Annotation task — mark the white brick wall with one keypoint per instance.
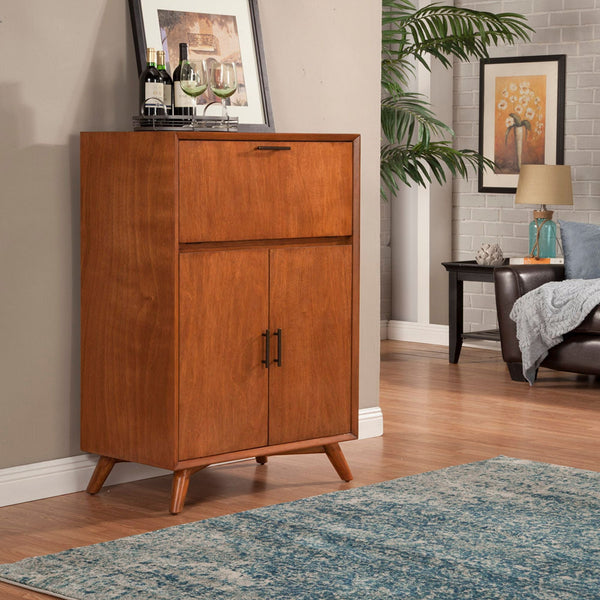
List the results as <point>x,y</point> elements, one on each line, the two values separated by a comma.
<point>570,27</point>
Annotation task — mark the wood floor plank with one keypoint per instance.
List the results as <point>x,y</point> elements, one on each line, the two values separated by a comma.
<point>436,415</point>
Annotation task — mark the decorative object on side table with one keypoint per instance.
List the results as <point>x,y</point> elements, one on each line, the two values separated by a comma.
<point>490,255</point>
<point>206,26</point>
<point>544,184</point>
<point>521,116</point>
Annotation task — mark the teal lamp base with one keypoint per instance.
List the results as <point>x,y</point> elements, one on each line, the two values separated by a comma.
<point>542,235</point>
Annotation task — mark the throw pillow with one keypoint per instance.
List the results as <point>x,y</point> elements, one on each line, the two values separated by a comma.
<point>581,249</point>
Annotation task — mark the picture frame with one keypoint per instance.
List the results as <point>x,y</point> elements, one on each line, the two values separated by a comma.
<point>212,28</point>
<point>521,116</point>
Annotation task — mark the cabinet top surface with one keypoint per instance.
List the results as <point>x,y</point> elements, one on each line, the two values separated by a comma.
<point>234,135</point>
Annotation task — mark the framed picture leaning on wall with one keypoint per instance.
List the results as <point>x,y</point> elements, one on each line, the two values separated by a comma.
<point>224,30</point>
<point>521,116</point>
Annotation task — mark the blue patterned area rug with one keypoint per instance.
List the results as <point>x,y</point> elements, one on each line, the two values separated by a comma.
<point>501,528</point>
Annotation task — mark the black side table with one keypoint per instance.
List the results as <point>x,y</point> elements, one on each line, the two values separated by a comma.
<point>464,270</point>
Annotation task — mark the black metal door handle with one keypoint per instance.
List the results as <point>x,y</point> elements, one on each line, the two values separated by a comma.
<point>278,359</point>
<point>276,148</point>
<point>267,360</point>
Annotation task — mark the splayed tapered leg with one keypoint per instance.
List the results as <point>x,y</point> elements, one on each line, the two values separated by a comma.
<point>181,482</point>
<point>338,460</point>
<point>101,472</point>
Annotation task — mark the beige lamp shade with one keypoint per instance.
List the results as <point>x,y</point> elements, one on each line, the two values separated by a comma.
<point>544,184</point>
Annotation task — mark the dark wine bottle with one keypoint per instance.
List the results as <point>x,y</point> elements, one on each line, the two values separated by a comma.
<point>182,103</point>
<point>167,81</point>
<point>151,87</point>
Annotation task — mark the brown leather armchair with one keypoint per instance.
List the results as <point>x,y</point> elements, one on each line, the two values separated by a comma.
<point>579,352</point>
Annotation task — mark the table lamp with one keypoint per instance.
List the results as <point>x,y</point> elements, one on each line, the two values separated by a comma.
<point>544,184</point>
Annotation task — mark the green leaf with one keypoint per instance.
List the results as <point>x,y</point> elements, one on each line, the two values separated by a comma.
<point>416,148</point>
<point>516,119</point>
<point>422,162</point>
<point>406,116</point>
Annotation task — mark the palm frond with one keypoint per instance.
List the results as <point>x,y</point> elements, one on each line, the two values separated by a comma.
<point>422,163</point>
<point>447,31</point>
<point>413,151</point>
<point>406,117</point>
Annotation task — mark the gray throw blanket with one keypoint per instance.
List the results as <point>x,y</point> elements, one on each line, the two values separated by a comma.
<point>546,313</point>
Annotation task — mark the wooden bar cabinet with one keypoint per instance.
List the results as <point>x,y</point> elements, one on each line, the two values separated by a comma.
<point>219,298</point>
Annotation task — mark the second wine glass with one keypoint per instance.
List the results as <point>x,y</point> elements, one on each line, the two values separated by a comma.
<point>223,82</point>
<point>194,80</point>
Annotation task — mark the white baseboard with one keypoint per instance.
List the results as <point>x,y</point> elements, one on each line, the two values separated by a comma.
<point>67,475</point>
<point>430,333</point>
<point>62,476</point>
<point>425,333</point>
<point>370,422</point>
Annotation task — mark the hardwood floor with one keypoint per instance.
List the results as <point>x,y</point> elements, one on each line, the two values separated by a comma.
<point>435,415</point>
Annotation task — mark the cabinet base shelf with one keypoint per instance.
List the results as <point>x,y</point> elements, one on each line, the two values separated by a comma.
<point>181,476</point>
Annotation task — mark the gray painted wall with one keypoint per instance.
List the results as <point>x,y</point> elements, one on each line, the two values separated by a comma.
<point>70,67</point>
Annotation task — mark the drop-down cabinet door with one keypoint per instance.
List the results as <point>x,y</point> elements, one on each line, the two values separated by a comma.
<point>253,190</point>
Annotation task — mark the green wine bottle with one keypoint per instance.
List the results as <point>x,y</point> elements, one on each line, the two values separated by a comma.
<point>167,81</point>
<point>151,87</point>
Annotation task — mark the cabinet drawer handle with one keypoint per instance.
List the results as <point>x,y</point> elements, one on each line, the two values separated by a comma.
<point>267,360</point>
<point>276,148</point>
<point>278,359</point>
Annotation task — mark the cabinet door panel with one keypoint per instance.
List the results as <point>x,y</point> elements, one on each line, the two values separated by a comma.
<point>302,191</point>
<point>310,299</point>
<point>223,391</point>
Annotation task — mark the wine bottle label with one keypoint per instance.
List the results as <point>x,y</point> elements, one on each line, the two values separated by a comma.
<point>167,93</point>
<point>182,100</point>
<point>153,90</point>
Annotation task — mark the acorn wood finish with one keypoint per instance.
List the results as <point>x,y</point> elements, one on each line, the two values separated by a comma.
<point>219,298</point>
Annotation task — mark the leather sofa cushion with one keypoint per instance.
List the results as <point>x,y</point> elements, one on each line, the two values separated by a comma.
<point>591,324</point>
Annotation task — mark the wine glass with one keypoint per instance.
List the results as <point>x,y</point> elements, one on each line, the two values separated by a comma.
<point>194,80</point>
<point>223,82</point>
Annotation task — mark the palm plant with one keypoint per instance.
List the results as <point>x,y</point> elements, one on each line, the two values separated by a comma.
<point>416,144</point>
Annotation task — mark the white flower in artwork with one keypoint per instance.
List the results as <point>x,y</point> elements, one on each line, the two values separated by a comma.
<point>522,113</point>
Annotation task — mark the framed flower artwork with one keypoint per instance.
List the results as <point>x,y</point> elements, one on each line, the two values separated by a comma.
<point>521,116</point>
